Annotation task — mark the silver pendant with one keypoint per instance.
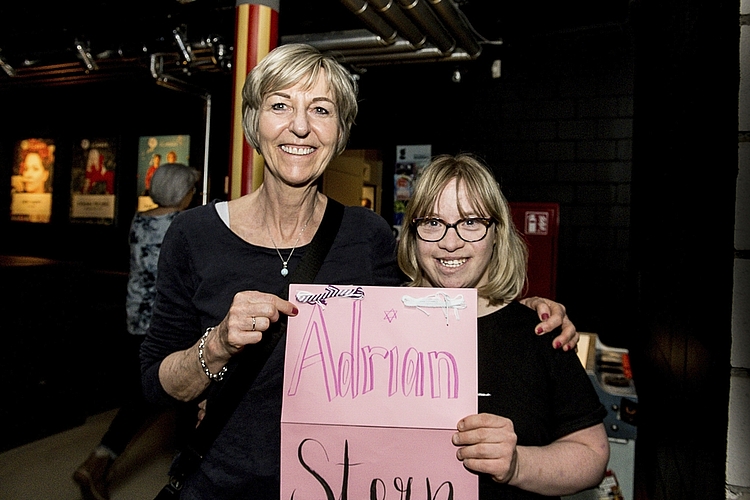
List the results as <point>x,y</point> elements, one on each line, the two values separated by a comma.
<point>284,271</point>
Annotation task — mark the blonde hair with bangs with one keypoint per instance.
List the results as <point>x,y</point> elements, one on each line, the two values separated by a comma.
<point>288,65</point>
<point>507,268</point>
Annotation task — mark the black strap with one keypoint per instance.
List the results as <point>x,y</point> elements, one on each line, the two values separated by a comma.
<point>253,358</point>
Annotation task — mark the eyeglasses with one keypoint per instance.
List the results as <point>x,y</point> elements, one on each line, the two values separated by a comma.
<point>471,229</point>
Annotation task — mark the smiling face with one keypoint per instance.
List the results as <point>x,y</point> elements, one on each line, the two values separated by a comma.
<point>453,262</point>
<point>298,130</point>
<point>34,174</point>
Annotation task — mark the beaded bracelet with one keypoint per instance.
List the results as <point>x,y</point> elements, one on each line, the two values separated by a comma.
<point>219,376</point>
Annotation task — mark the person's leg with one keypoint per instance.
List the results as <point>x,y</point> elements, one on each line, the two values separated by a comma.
<point>91,476</point>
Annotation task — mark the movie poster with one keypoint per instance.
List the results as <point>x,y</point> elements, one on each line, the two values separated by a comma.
<point>155,150</point>
<point>92,185</point>
<point>31,180</point>
<point>410,161</point>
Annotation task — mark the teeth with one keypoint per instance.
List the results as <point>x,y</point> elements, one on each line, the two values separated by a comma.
<point>452,263</point>
<point>297,151</point>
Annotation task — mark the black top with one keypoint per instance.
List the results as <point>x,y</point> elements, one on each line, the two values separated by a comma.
<point>202,265</point>
<point>544,391</point>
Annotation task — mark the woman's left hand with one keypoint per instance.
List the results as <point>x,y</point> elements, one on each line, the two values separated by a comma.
<point>553,315</point>
<point>487,443</point>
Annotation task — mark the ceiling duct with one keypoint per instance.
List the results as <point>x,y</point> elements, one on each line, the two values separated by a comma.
<point>453,20</point>
<point>425,18</point>
<point>352,40</point>
<point>372,19</point>
<point>442,24</point>
<point>395,16</point>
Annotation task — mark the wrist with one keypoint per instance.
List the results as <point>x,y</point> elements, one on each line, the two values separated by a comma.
<point>217,376</point>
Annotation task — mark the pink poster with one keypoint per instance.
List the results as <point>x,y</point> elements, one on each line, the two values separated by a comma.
<point>375,380</point>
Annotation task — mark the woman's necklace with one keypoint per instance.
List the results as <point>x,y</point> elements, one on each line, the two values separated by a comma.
<point>284,270</point>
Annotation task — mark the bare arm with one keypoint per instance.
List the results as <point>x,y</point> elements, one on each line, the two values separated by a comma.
<point>570,464</point>
<point>553,314</point>
<point>250,314</point>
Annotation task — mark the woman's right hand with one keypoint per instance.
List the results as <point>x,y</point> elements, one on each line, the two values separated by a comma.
<point>250,314</point>
<point>181,373</point>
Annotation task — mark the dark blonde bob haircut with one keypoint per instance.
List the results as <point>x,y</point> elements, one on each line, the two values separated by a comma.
<point>288,65</point>
<point>507,268</point>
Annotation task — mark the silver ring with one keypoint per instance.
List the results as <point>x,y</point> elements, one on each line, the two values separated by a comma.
<point>253,328</point>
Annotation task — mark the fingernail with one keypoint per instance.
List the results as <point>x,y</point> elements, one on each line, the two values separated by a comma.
<point>558,344</point>
<point>539,330</point>
<point>295,311</point>
<point>545,317</point>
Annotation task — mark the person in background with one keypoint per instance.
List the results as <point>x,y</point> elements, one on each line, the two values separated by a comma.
<point>223,268</point>
<point>172,157</point>
<point>172,188</point>
<point>539,431</point>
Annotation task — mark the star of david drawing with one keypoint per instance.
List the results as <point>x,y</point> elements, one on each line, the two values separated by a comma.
<point>391,315</point>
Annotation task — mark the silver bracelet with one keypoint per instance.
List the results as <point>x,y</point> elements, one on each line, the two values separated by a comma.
<point>219,376</point>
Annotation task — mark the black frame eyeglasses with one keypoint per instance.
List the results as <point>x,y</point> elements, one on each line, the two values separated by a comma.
<point>434,229</point>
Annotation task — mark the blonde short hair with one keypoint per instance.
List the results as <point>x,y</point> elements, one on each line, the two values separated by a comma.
<point>288,65</point>
<point>507,268</point>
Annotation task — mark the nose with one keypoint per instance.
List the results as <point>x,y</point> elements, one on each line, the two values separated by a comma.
<point>299,124</point>
<point>451,242</point>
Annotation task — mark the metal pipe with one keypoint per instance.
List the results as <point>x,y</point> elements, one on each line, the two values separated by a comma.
<point>430,54</point>
<point>371,19</point>
<point>451,18</point>
<point>424,17</point>
<point>204,190</point>
<point>396,18</point>
<point>338,40</point>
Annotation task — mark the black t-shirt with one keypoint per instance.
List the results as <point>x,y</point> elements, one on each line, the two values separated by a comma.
<point>544,391</point>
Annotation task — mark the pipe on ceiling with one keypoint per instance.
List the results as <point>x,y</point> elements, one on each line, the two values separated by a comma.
<point>440,21</point>
<point>396,18</point>
<point>428,54</point>
<point>421,14</point>
<point>452,19</point>
<point>339,40</point>
<point>372,19</point>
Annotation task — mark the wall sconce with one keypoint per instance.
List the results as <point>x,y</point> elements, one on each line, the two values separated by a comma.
<point>9,70</point>
<point>84,52</point>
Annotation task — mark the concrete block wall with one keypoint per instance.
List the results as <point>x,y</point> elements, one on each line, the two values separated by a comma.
<point>566,137</point>
<point>738,433</point>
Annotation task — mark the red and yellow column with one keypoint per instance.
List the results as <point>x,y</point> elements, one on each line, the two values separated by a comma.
<point>256,34</point>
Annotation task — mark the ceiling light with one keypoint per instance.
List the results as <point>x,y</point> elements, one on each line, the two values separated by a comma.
<point>185,51</point>
<point>9,70</point>
<point>84,52</point>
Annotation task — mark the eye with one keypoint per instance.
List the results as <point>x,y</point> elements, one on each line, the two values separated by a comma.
<point>433,222</point>
<point>321,110</point>
<point>279,106</point>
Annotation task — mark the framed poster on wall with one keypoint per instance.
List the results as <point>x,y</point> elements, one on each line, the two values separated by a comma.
<point>31,180</point>
<point>92,184</point>
<point>154,150</point>
<point>410,161</point>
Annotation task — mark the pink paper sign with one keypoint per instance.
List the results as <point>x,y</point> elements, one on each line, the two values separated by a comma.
<point>375,380</point>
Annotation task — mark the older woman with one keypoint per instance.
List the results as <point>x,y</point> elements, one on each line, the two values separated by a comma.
<point>540,431</point>
<point>225,266</point>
